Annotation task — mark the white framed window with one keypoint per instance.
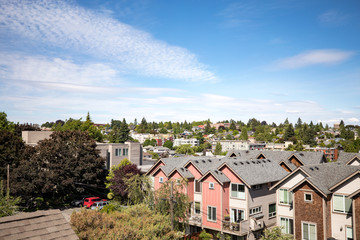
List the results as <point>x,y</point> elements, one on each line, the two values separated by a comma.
<point>308,231</point>
<point>237,215</point>
<point>255,210</point>
<point>285,197</point>
<point>211,185</point>
<point>211,214</point>
<point>197,186</point>
<point>238,190</point>
<point>342,204</point>
<point>117,151</point>
<point>349,233</point>
<point>287,225</point>
<point>125,151</point>
<point>161,179</point>
<point>177,181</point>
<point>197,208</point>
<point>307,197</point>
<point>272,210</point>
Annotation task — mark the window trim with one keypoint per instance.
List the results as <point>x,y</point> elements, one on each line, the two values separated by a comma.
<point>256,212</point>
<point>211,211</point>
<point>346,232</point>
<point>161,179</point>
<point>195,208</point>
<point>237,191</point>
<point>309,194</point>
<point>211,185</point>
<point>272,214</point>
<point>284,230</point>
<point>289,197</point>
<point>237,209</point>
<point>200,186</point>
<point>302,229</point>
<point>343,204</point>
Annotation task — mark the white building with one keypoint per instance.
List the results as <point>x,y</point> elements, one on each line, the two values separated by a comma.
<point>181,141</point>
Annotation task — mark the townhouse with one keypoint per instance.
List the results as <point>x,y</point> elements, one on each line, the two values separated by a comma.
<point>233,195</point>
<point>320,201</point>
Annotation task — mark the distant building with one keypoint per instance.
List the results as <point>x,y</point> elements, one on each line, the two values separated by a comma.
<point>181,141</point>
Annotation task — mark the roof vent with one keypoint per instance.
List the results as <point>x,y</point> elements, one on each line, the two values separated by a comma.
<point>269,160</point>
<point>247,151</point>
<point>216,171</point>
<point>247,162</point>
<point>241,163</point>
<point>311,169</point>
<point>316,168</point>
<point>264,161</point>
<point>196,161</point>
<point>203,161</point>
<point>301,154</point>
<point>253,162</point>
<point>258,162</point>
<point>235,163</point>
<point>209,160</point>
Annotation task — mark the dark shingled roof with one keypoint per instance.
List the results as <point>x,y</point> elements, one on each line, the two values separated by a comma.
<point>325,176</point>
<point>49,224</point>
<point>345,157</point>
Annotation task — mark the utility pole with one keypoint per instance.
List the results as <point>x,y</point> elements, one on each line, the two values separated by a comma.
<point>172,205</point>
<point>8,179</point>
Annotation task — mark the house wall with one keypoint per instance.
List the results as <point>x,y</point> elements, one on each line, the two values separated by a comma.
<point>263,197</point>
<point>225,199</point>
<point>176,176</point>
<point>235,202</point>
<point>212,197</point>
<point>33,137</point>
<point>312,212</point>
<point>286,210</point>
<point>157,175</point>
<point>191,187</point>
<point>339,221</point>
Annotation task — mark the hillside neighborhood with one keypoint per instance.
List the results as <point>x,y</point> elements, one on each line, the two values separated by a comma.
<point>229,180</point>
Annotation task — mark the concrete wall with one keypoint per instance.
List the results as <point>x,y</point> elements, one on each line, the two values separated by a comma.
<point>33,137</point>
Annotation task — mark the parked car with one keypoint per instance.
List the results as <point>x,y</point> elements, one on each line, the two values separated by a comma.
<point>99,205</point>
<point>90,201</point>
<point>79,202</point>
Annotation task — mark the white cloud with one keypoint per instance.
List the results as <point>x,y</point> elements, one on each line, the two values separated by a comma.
<point>332,17</point>
<point>353,120</point>
<point>65,25</point>
<point>314,57</point>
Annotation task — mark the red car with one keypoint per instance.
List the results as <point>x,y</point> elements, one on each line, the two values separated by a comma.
<point>90,201</point>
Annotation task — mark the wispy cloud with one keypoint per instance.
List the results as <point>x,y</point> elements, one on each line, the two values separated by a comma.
<point>314,57</point>
<point>65,25</point>
<point>332,18</point>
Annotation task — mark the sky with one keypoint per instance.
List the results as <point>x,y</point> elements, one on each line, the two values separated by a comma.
<point>180,60</point>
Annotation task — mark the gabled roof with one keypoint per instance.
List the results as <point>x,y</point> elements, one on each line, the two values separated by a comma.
<point>218,175</point>
<point>154,166</point>
<point>185,173</point>
<point>347,157</point>
<point>49,224</point>
<point>287,177</point>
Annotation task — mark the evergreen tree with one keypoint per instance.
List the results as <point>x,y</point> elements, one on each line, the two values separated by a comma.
<point>298,125</point>
<point>218,149</point>
<point>232,125</point>
<point>124,132</point>
<point>244,135</point>
<point>289,132</point>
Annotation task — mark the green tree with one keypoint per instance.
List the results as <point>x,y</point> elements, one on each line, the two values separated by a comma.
<point>58,168</point>
<point>8,204</point>
<point>218,149</point>
<point>185,149</point>
<point>124,132</point>
<point>275,234</point>
<point>140,190</point>
<point>4,123</point>
<point>232,125</point>
<point>169,144</point>
<point>289,132</point>
<point>244,135</point>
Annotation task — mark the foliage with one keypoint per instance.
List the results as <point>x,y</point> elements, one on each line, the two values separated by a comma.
<point>149,142</point>
<point>204,235</point>
<point>117,184</point>
<point>140,190</point>
<point>275,234</point>
<point>169,144</point>
<point>8,204</point>
<point>244,135</point>
<point>180,199</point>
<point>185,149</point>
<point>4,123</point>
<point>218,149</point>
<point>18,128</point>
<point>11,150</point>
<point>57,168</point>
<point>289,132</point>
<point>123,225</point>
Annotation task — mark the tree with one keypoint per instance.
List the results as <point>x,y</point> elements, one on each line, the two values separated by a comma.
<point>8,204</point>
<point>218,149</point>
<point>289,132</point>
<point>169,144</point>
<point>149,142</point>
<point>11,150</point>
<point>58,168</point>
<point>175,190</point>
<point>124,132</point>
<point>140,190</point>
<point>275,234</point>
<point>117,183</point>
<point>207,129</point>
<point>244,135</point>
<point>298,124</point>
<point>4,123</point>
<point>232,125</point>
<point>185,149</point>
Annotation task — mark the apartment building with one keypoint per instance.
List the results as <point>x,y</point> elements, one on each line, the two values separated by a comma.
<point>181,141</point>
<point>233,195</point>
<point>320,201</point>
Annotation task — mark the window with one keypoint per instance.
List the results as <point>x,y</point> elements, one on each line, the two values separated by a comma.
<point>117,151</point>
<point>285,197</point>
<point>125,151</point>
<point>342,204</point>
<point>255,210</point>
<point>238,190</point>
<point>211,185</point>
<point>308,231</point>
<point>177,181</point>
<point>197,186</point>
<point>308,197</point>
<point>211,214</point>
<point>272,210</point>
<point>257,187</point>
<point>237,215</point>
<point>349,233</point>
<point>287,225</point>
<point>197,208</point>
<point>161,179</point>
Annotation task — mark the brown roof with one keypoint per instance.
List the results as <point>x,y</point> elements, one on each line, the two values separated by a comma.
<point>49,224</point>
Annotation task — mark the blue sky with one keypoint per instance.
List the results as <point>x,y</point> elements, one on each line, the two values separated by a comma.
<point>180,60</point>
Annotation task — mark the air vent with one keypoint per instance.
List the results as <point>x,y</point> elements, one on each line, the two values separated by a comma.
<point>269,160</point>
<point>235,163</point>
<point>216,171</point>
<point>196,161</point>
<point>209,160</point>
<point>301,154</point>
<point>247,162</point>
<point>316,168</point>
<point>258,162</point>
<point>253,162</point>
<point>311,169</point>
<point>203,161</point>
<point>241,163</point>
<point>247,151</point>
<point>264,161</point>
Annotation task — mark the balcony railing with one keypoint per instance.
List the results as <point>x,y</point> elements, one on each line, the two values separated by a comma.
<point>241,227</point>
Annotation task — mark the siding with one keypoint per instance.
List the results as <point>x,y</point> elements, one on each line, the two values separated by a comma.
<point>159,174</point>
<point>211,197</point>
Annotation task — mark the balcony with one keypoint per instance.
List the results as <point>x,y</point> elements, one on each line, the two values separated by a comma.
<point>195,220</point>
<point>238,228</point>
